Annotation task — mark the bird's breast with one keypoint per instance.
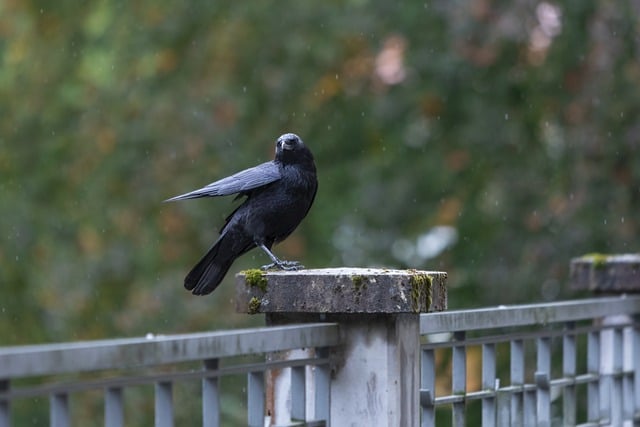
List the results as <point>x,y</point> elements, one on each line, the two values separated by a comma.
<point>274,213</point>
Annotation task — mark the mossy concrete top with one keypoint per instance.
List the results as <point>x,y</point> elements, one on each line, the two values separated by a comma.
<point>341,290</point>
<point>606,273</point>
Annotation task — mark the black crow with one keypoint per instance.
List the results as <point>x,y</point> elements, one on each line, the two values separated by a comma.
<point>278,194</point>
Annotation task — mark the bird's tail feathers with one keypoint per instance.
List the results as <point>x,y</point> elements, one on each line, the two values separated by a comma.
<point>207,274</point>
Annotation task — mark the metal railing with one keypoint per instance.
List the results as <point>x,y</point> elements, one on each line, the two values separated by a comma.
<point>564,363</point>
<point>567,363</point>
<point>158,353</point>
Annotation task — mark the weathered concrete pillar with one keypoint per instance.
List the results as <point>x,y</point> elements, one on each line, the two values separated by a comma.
<point>375,377</point>
<point>606,274</point>
<point>619,347</point>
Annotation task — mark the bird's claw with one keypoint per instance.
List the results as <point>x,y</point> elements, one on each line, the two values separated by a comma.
<point>283,265</point>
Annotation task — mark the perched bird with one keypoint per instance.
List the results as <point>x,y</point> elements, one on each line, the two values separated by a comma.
<point>278,194</point>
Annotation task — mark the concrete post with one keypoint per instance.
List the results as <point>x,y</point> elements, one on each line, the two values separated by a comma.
<point>375,376</point>
<point>606,274</point>
<point>619,347</point>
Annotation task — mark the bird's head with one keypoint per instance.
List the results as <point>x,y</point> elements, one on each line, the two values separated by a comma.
<point>290,149</point>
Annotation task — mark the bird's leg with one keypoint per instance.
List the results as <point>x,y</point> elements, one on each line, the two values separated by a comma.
<point>278,263</point>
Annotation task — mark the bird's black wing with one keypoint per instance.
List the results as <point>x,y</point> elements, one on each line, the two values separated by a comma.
<point>240,182</point>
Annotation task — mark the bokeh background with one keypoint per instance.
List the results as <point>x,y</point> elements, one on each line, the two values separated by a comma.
<point>494,140</point>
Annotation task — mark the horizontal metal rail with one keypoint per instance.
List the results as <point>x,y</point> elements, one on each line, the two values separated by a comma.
<point>524,335</point>
<point>557,383</point>
<point>53,359</point>
<point>527,314</point>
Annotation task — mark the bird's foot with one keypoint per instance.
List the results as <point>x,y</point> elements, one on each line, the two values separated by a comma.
<point>283,265</point>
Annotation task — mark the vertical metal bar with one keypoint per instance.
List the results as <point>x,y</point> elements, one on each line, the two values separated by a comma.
<point>503,410</point>
<point>164,404</point>
<point>635,359</point>
<point>459,377</point>
<point>604,370</point>
<point>529,408</point>
<point>59,410</point>
<point>525,414</point>
<point>616,389</point>
<point>569,371</point>
<point>427,387</point>
<point>593,368</point>
<point>298,393</point>
<point>489,383</point>
<point>517,379</point>
<point>255,399</point>
<point>310,389</point>
<point>627,380</point>
<point>542,377</point>
<point>210,396</point>
<point>113,407</point>
<point>322,381</point>
<point>5,408</point>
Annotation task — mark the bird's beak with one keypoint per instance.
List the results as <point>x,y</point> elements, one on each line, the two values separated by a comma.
<point>286,145</point>
<point>288,141</point>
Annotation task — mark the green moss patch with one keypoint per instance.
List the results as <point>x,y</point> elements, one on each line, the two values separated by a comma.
<point>254,305</point>
<point>421,291</point>
<point>598,261</point>
<point>359,282</point>
<point>256,278</point>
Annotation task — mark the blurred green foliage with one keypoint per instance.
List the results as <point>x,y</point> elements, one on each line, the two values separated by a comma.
<point>511,126</point>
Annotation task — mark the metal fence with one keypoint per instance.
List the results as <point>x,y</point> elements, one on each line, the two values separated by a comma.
<point>158,353</point>
<point>565,363</point>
